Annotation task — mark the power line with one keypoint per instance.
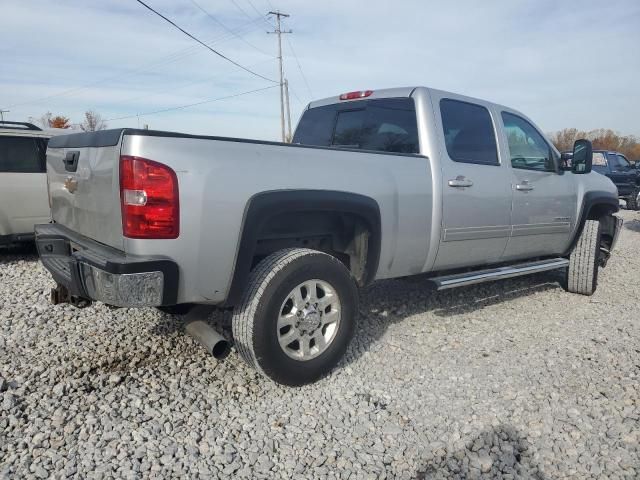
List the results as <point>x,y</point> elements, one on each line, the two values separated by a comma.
<point>244,12</point>
<point>165,60</point>
<point>254,8</point>
<point>304,77</point>
<point>197,5</point>
<point>128,100</point>
<point>180,107</point>
<point>204,44</point>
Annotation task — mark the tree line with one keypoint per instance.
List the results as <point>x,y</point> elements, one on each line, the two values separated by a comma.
<point>602,139</point>
<point>92,121</point>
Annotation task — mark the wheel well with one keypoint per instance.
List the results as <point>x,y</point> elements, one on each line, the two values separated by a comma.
<point>345,225</point>
<point>600,210</point>
<point>596,206</point>
<point>343,235</point>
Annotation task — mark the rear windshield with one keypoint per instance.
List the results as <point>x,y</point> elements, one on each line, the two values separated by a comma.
<point>386,125</point>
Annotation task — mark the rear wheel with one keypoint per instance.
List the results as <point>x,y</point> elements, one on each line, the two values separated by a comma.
<point>297,315</point>
<point>582,275</point>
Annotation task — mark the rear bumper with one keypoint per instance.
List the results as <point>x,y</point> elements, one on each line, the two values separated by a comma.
<point>90,270</point>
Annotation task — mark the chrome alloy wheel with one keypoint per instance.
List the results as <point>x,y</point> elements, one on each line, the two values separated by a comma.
<point>309,319</point>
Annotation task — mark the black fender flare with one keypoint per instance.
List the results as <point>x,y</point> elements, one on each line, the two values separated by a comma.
<point>266,205</point>
<point>607,201</point>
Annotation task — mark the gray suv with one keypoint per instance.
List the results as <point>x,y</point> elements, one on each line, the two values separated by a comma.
<point>23,180</point>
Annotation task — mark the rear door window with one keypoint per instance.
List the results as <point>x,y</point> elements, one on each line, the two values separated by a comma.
<point>386,125</point>
<point>468,132</point>
<point>22,155</point>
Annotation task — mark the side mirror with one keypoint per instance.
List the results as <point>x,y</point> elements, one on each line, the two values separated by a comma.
<point>582,159</point>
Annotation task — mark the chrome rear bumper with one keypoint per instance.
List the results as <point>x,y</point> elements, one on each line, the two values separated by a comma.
<point>88,270</point>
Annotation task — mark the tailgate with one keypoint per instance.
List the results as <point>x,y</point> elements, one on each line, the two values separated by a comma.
<point>83,176</point>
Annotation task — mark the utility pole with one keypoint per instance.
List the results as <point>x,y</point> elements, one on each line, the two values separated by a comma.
<point>279,31</point>
<point>286,96</point>
<point>2,112</point>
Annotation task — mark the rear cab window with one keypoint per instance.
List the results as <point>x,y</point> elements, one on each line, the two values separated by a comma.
<point>469,133</point>
<point>22,154</point>
<point>384,125</point>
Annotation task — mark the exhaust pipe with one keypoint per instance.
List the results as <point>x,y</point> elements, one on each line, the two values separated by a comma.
<point>198,329</point>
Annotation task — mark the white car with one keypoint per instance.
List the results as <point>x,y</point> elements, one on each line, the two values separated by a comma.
<point>23,180</point>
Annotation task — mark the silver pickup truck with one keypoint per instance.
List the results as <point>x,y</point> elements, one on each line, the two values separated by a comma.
<point>376,184</point>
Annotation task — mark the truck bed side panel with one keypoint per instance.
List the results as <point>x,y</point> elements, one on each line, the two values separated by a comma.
<point>218,178</point>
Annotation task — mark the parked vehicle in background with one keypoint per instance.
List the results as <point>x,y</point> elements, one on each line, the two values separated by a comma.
<point>624,174</point>
<point>378,184</point>
<point>23,180</point>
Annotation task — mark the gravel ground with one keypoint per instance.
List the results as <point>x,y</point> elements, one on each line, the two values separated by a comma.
<point>516,379</point>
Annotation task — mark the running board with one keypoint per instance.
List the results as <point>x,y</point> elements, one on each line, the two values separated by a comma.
<point>480,276</point>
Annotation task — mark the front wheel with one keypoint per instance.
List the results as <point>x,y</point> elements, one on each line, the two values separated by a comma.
<point>582,275</point>
<point>297,315</point>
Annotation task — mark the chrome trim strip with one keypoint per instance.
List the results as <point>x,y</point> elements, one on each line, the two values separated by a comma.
<point>476,233</point>
<point>540,228</point>
<point>502,231</point>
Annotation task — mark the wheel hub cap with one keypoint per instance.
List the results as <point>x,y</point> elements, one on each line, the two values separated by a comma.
<point>309,320</point>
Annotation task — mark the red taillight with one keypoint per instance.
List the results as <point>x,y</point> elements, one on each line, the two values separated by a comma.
<point>149,198</point>
<point>354,95</point>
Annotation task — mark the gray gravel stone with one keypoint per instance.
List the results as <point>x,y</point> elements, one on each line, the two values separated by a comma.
<point>511,380</point>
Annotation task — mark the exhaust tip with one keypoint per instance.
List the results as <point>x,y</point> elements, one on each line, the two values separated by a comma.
<point>218,346</point>
<point>221,350</point>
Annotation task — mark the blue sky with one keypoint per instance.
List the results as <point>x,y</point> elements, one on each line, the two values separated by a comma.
<point>567,63</point>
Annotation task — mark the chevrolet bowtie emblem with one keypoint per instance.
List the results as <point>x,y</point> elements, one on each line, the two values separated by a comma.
<point>71,184</point>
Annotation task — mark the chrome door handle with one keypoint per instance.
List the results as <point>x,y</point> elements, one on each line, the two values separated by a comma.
<point>524,186</point>
<point>460,181</point>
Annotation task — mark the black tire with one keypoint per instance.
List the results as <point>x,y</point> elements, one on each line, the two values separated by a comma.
<point>582,275</point>
<point>632,200</point>
<point>254,321</point>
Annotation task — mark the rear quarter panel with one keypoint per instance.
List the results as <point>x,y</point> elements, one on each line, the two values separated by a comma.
<point>218,178</point>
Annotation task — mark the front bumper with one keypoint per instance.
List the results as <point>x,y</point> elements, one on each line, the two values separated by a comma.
<point>89,270</point>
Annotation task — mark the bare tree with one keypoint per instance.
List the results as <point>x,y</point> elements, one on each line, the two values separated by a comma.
<point>93,122</point>
<point>43,120</point>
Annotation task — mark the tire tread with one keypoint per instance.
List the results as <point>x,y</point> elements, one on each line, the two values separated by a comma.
<point>260,277</point>
<point>582,274</point>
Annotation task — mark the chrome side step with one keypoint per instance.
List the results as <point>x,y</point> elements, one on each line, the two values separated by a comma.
<point>479,276</point>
